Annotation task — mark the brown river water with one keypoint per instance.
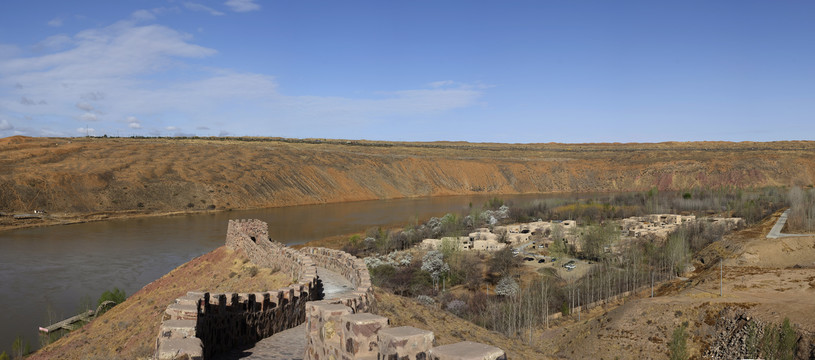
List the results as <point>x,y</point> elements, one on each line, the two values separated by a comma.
<point>53,268</point>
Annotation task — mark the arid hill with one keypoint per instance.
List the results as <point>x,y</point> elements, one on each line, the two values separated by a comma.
<point>128,330</point>
<point>77,179</point>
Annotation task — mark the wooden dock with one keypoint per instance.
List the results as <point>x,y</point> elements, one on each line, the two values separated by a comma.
<point>68,324</point>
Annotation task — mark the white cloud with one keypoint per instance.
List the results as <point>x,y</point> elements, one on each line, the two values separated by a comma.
<point>133,122</point>
<point>5,125</point>
<point>443,83</point>
<point>88,117</point>
<point>55,22</point>
<point>92,96</point>
<point>8,51</point>
<point>120,68</point>
<point>51,43</point>
<point>84,106</point>
<point>29,102</point>
<point>86,130</point>
<point>199,7</point>
<point>143,15</point>
<point>171,128</point>
<point>242,5</point>
<point>49,132</point>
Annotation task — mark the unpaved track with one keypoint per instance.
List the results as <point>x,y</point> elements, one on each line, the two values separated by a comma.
<point>775,232</point>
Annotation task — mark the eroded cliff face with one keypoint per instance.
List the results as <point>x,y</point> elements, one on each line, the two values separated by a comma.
<point>152,175</point>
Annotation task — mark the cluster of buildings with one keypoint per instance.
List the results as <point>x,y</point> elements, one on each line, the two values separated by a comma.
<point>659,226</point>
<point>654,227</point>
<point>500,236</point>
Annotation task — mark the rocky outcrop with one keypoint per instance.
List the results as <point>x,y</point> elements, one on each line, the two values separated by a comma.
<point>737,335</point>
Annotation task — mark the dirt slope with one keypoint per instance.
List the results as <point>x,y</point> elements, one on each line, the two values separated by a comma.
<point>129,330</point>
<point>88,178</point>
<point>448,328</point>
<point>769,279</point>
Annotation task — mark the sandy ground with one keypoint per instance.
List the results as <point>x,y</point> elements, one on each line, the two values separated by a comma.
<point>771,278</point>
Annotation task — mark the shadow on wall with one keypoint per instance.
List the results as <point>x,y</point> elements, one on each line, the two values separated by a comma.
<point>201,324</point>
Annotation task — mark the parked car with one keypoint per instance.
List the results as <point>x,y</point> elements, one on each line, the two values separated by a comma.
<point>554,259</point>
<point>529,259</point>
<point>541,261</point>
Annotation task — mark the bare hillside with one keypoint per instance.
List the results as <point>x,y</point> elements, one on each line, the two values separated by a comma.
<point>128,330</point>
<point>77,179</point>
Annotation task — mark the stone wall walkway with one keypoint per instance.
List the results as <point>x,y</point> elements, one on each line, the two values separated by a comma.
<point>291,344</point>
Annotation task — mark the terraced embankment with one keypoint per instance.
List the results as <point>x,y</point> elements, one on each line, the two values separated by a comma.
<point>80,179</point>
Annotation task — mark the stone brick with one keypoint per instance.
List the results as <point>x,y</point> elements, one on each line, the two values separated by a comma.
<point>171,348</point>
<point>177,329</point>
<point>404,342</point>
<point>359,337</point>
<point>182,312</point>
<point>189,299</point>
<point>467,350</point>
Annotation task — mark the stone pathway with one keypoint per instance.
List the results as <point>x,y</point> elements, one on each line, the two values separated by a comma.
<point>291,344</point>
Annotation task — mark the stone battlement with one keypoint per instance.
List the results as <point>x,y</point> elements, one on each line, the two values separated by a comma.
<point>336,331</point>
<point>201,323</point>
<point>353,269</point>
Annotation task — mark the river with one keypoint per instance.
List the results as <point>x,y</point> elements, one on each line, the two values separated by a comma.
<point>48,270</point>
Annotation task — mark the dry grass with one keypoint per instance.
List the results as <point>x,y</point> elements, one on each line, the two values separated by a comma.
<point>128,331</point>
<point>770,278</point>
<point>76,180</point>
<point>448,328</point>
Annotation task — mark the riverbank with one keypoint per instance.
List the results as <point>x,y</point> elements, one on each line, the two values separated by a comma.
<point>92,179</point>
<point>7,222</point>
<point>128,330</point>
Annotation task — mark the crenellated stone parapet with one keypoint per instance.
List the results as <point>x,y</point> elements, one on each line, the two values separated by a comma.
<point>350,267</point>
<point>336,331</point>
<point>200,324</point>
<point>252,236</point>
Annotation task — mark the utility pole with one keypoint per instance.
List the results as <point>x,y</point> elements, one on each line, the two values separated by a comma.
<point>652,283</point>
<point>578,304</point>
<point>721,276</point>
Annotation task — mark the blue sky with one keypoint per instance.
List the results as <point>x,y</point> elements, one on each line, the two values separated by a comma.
<point>483,71</point>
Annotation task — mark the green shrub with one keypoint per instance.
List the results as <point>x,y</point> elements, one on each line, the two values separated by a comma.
<point>20,348</point>
<point>679,343</point>
<point>117,296</point>
<point>788,341</point>
<point>752,340</point>
<point>381,274</point>
<point>253,271</point>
